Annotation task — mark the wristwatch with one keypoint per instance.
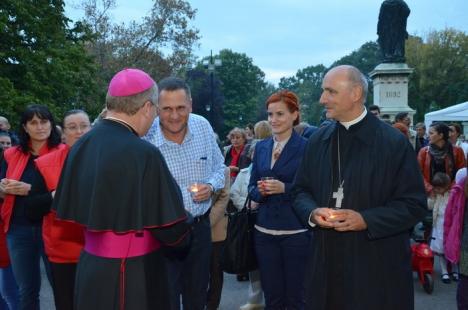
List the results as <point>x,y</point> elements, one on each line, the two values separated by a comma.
<point>212,188</point>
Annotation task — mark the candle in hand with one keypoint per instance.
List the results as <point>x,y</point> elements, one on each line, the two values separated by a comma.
<point>193,188</point>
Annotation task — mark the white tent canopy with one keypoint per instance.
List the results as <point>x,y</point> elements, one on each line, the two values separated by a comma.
<point>455,113</point>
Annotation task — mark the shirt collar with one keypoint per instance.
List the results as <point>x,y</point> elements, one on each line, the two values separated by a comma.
<point>281,143</point>
<point>354,121</point>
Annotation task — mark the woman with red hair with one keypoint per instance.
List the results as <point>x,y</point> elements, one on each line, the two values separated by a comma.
<point>281,241</point>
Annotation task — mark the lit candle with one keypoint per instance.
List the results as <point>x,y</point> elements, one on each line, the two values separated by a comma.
<point>194,188</point>
<point>332,215</point>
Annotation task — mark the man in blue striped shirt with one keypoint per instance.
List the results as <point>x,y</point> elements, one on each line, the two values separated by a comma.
<point>188,145</point>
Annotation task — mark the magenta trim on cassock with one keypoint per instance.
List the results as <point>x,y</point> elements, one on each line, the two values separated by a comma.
<point>108,244</point>
<point>129,82</point>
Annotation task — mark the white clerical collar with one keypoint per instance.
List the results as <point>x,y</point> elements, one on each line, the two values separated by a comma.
<point>355,121</point>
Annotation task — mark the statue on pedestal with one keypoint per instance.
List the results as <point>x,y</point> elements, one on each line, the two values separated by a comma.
<point>391,29</point>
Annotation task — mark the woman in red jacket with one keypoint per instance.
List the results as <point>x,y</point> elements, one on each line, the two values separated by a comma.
<point>26,200</point>
<point>63,241</point>
<point>440,155</point>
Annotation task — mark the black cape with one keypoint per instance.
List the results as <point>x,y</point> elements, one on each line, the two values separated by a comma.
<point>370,269</point>
<point>114,181</point>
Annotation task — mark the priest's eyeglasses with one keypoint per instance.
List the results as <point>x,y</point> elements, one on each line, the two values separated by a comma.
<point>75,128</point>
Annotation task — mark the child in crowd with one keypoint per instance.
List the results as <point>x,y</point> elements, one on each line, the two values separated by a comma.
<point>438,203</point>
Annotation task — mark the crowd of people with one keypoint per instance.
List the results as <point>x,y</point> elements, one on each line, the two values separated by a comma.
<point>130,212</point>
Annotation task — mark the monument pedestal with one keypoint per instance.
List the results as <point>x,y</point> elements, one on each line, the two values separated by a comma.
<point>390,82</point>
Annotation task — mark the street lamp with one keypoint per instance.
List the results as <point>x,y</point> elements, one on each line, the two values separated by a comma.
<point>211,65</point>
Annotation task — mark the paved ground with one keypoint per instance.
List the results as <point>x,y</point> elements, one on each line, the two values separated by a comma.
<point>235,294</point>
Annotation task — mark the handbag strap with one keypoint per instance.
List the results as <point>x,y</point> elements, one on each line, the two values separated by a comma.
<point>247,203</point>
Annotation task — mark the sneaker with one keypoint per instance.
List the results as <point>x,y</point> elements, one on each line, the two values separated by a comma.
<point>455,276</point>
<point>251,307</point>
<point>445,278</point>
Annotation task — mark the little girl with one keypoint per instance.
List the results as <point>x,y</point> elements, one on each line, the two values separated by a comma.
<point>437,203</point>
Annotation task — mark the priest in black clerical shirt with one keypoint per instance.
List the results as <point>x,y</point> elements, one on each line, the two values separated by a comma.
<point>360,190</point>
<point>120,189</point>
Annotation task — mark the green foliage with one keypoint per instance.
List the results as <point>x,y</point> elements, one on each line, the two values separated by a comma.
<point>440,76</point>
<point>242,82</point>
<point>365,58</point>
<point>307,84</point>
<point>207,98</point>
<point>266,91</point>
<point>42,60</point>
<point>161,44</point>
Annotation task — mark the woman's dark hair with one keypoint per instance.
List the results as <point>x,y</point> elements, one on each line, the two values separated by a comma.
<point>441,128</point>
<point>43,113</point>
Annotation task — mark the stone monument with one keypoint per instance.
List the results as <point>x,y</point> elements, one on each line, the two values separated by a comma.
<point>390,78</point>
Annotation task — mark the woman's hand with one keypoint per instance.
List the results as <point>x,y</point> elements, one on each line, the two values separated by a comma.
<point>270,187</point>
<point>233,169</point>
<point>14,187</point>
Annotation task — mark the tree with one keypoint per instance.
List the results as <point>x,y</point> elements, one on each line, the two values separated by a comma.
<point>161,44</point>
<point>42,60</point>
<point>266,91</point>
<point>200,85</point>
<point>307,84</point>
<point>365,58</point>
<point>242,82</point>
<point>440,76</point>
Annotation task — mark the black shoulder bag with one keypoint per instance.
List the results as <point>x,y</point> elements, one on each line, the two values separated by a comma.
<point>238,255</point>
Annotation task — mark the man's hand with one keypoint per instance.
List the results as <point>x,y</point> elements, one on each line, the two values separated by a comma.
<point>347,220</point>
<point>14,187</point>
<point>204,192</point>
<point>321,216</point>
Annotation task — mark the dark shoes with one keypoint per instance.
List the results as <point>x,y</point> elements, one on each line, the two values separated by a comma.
<point>455,276</point>
<point>446,278</point>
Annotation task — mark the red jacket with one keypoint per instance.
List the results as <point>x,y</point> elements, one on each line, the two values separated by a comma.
<point>17,161</point>
<point>424,159</point>
<point>63,240</point>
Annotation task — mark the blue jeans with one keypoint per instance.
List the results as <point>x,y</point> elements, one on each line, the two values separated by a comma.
<point>26,248</point>
<point>8,289</point>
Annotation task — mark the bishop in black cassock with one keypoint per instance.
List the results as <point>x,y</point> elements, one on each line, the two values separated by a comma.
<point>360,255</point>
<point>120,189</point>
